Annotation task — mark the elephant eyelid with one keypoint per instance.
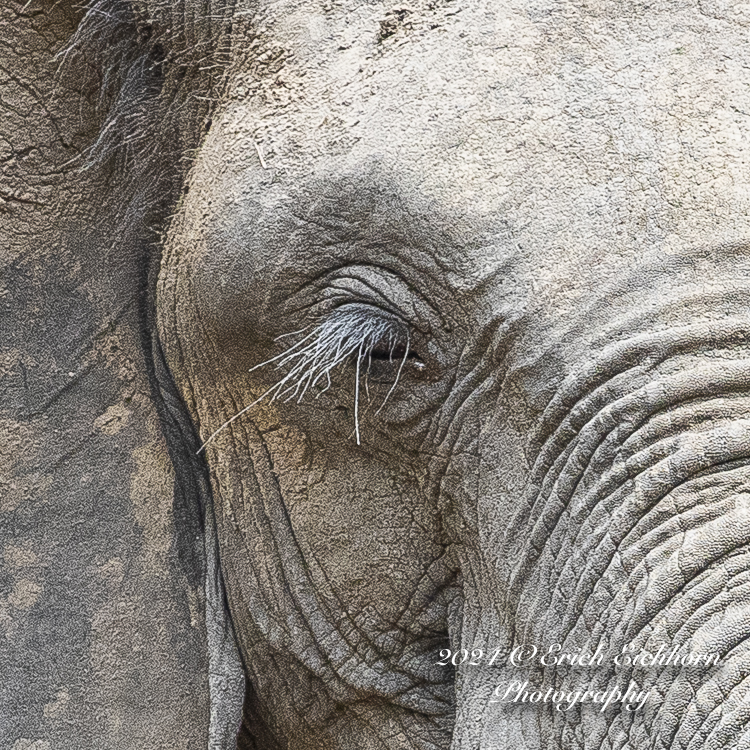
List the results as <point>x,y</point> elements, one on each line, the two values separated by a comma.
<point>348,331</point>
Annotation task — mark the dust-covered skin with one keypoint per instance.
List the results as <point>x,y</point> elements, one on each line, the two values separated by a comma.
<point>513,234</point>
<point>103,640</point>
<point>553,198</point>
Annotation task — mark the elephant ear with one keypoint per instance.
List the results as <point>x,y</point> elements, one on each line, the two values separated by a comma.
<point>111,621</point>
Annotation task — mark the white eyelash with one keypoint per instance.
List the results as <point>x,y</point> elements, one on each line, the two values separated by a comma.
<point>339,336</point>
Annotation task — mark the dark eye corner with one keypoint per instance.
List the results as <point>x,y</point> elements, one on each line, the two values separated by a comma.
<point>397,354</point>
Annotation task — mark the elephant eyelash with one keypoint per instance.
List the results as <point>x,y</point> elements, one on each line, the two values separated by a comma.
<point>342,334</point>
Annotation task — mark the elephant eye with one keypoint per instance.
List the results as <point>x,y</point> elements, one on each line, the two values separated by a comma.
<point>379,346</point>
<point>379,351</point>
<point>376,343</point>
<point>382,355</point>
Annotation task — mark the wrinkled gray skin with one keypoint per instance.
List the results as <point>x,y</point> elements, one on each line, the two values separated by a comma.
<point>105,640</point>
<point>553,198</point>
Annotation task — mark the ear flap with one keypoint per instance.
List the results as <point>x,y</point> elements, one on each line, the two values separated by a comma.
<point>103,567</point>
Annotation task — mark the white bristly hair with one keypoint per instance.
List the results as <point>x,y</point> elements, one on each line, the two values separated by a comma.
<point>340,335</point>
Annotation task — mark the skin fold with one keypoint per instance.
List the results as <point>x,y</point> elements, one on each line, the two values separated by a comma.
<point>103,638</point>
<point>553,198</point>
<point>443,310</point>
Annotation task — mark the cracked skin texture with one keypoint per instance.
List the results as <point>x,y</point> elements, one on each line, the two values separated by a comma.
<point>553,198</point>
<point>102,630</point>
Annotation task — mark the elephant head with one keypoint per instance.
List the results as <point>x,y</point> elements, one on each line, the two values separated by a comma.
<point>457,300</point>
<point>455,297</point>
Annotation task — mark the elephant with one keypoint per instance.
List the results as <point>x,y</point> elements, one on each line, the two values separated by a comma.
<point>418,338</point>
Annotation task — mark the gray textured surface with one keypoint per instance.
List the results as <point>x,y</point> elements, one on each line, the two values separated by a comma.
<point>102,606</point>
<point>554,197</point>
<point>547,203</point>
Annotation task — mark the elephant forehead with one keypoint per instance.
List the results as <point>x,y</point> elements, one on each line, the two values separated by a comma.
<point>564,133</point>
